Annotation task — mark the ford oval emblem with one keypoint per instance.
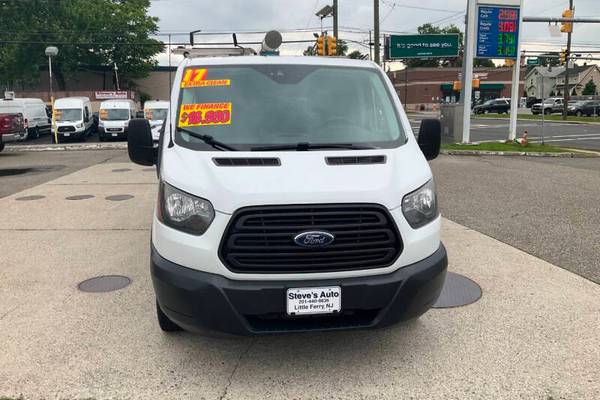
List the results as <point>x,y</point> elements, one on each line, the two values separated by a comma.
<point>314,239</point>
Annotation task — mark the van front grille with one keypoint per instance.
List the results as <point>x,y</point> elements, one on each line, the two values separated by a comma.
<point>66,129</point>
<point>261,239</point>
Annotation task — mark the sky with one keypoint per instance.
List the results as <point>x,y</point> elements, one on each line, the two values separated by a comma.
<point>355,20</point>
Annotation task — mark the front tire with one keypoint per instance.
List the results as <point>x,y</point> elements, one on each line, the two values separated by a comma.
<point>34,133</point>
<point>547,112</point>
<point>1,146</point>
<point>579,113</point>
<point>164,322</point>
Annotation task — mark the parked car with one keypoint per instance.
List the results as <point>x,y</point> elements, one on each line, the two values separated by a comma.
<point>114,117</point>
<point>12,128</point>
<point>585,107</point>
<point>156,112</point>
<point>551,105</point>
<point>34,114</point>
<point>73,118</point>
<point>498,106</point>
<point>277,213</point>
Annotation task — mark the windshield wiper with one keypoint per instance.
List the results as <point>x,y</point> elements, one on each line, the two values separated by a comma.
<point>304,146</point>
<point>208,140</point>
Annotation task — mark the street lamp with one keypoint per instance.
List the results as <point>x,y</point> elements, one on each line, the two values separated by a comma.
<point>324,12</point>
<point>50,52</point>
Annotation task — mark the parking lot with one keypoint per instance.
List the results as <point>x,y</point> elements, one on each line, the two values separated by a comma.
<point>533,334</point>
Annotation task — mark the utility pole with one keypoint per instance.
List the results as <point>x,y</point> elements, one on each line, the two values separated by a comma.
<point>376,29</point>
<point>567,58</point>
<point>335,22</point>
<point>370,46</point>
<point>468,63</point>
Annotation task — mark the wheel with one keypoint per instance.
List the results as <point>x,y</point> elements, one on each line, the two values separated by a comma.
<point>547,112</point>
<point>34,133</point>
<point>1,146</point>
<point>101,138</point>
<point>579,113</point>
<point>164,322</point>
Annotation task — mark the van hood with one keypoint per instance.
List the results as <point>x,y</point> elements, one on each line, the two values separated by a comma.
<point>303,177</point>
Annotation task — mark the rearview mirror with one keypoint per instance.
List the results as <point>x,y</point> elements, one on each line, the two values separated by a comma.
<point>139,114</point>
<point>139,142</point>
<point>430,138</point>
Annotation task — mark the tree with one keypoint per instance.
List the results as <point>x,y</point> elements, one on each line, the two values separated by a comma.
<point>310,51</point>
<point>342,47</point>
<point>356,55</point>
<point>590,88</point>
<point>87,34</point>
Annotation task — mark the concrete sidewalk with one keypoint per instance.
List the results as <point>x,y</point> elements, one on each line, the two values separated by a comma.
<point>533,334</point>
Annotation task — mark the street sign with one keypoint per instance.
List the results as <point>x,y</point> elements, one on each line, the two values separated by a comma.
<point>423,46</point>
<point>533,61</point>
<point>497,31</point>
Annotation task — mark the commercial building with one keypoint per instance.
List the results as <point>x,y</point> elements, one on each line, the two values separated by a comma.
<point>424,88</point>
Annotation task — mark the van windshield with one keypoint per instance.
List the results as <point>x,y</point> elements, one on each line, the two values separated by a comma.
<point>264,105</point>
<point>67,114</point>
<point>156,113</point>
<point>114,114</point>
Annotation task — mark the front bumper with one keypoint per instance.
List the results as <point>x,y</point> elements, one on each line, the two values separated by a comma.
<point>197,300</point>
<point>112,134</point>
<point>11,137</point>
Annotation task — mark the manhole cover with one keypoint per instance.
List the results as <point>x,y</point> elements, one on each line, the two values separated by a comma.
<point>80,197</point>
<point>107,283</point>
<point>458,291</point>
<point>119,197</point>
<point>121,170</point>
<point>29,198</point>
<point>14,171</point>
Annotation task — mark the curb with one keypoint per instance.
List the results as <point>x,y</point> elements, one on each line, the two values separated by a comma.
<point>69,147</point>
<point>516,154</point>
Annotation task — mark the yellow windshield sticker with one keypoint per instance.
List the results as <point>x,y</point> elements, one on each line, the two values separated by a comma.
<point>196,77</point>
<point>205,114</point>
<point>103,114</point>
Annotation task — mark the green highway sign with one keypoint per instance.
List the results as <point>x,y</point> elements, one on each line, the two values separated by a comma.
<point>423,46</point>
<point>533,61</point>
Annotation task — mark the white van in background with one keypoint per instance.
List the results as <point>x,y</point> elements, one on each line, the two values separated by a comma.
<point>113,118</point>
<point>72,118</point>
<point>34,114</point>
<point>156,112</point>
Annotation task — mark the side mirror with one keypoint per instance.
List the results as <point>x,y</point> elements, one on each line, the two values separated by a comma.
<point>139,142</point>
<point>139,114</point>
<point>430,138</point>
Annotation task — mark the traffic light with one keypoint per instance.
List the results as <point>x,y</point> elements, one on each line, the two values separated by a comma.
<point>331,46</point>
<point>567,27</point>
<point>321,45</point>
<point>562,57</point>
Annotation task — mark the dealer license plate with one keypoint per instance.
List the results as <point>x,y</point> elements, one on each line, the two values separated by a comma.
<point>66,134</point>
<point>115,134</point>
<point>319,300</point>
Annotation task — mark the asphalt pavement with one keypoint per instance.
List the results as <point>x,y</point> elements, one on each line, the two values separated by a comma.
<point>547,207</point>
<point>581,136</point>
<point>22,170</point>
<point>533,334</point>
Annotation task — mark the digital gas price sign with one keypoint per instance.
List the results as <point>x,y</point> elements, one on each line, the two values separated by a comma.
<point>497,32</point>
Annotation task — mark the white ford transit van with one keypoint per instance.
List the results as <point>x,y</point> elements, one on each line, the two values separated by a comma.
<point>72,118</point>
<point>293,196</point>
<point>114,117</point>
<point>156,111</point>
<point>34,114</point>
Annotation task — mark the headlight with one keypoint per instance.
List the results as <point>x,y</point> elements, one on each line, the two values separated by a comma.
<point>184,212</point>
<point>101,124</point>
<point>79,125</point>
<point>420,207</point>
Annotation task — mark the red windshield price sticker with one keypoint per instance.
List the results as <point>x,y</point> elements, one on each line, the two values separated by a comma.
<point>205,114</point>
<point>196,77</point>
